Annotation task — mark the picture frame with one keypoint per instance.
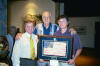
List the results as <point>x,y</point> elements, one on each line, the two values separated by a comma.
<point>55,47</point>
<point>81,30</point>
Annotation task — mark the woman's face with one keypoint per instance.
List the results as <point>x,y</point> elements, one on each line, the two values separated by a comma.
<point>62,23</point>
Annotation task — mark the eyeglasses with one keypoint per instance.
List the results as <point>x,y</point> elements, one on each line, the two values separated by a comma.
<point>46,16</point>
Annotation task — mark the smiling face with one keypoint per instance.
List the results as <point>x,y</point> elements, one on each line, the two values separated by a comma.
<point>46,17</point>
<point>62,23</point>
<point>29,27</point>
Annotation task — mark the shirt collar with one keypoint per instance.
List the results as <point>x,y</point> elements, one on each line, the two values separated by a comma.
<point>67,31</point>
<point>49,25</point>
<point>28,35</point>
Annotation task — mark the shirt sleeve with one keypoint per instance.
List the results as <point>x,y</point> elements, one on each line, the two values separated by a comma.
<point>56,28</point>
<point>35,31</point>
<point>77,42</point>
<point>16,53</point>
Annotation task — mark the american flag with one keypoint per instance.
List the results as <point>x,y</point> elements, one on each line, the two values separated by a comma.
<point>55,48</point>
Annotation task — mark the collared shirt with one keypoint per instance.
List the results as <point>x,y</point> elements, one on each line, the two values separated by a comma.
<point>22,48</point>
<point>46,30</point>
<point>41,30</point>
<point>76,43</point>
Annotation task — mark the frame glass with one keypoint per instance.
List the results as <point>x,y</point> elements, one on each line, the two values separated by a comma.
<point>55,47</point>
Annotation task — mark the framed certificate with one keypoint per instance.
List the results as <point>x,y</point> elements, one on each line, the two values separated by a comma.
<point>55,47</point>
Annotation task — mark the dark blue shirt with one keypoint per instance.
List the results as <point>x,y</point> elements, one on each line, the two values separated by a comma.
<point>46,31</point>
<point>76,43</point>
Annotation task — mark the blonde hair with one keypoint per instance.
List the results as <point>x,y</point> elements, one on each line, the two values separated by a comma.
<point>28,19</point>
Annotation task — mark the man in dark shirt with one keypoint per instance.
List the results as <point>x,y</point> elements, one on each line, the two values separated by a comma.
<point>64,31</point>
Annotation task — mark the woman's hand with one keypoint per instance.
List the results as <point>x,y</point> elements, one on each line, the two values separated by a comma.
<point>71,61</point>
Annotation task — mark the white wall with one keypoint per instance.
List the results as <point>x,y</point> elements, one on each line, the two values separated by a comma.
<point>20,8</point>
<point>88,38</point>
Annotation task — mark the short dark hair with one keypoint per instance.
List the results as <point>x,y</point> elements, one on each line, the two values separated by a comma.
<point>64,16</point>
<point>12,28</point>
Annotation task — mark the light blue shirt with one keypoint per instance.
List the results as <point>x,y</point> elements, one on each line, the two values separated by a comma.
<point>22,48</point>
<point>10,42</point>
<point>41,30</point>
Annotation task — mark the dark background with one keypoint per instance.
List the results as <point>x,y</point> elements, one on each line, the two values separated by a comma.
<point>81,8</point>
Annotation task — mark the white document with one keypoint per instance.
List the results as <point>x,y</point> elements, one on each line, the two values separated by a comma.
<point>57,49</point>
<point>54,63</point>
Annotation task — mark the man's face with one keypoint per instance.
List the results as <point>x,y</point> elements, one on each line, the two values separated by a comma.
<point>46,17</point>
<point>62,23</point>
<point>13,31</point>
<point>29,27</point>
